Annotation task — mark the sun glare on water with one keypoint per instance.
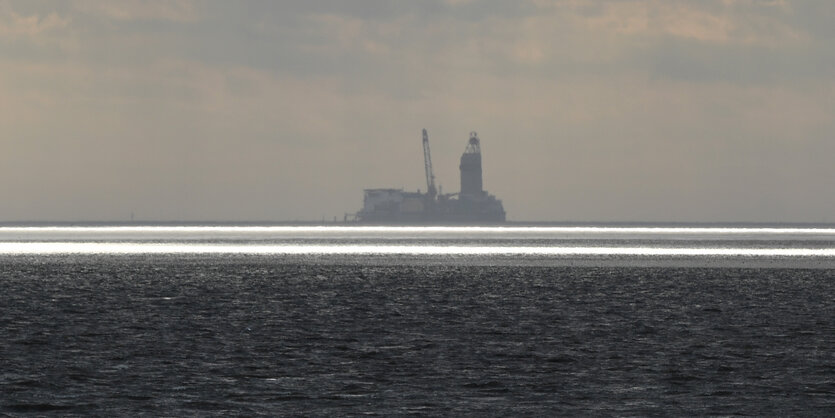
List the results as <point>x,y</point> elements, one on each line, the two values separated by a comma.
<point>437,240</point>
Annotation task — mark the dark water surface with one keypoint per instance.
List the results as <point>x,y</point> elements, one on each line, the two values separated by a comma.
<point>201,335</point>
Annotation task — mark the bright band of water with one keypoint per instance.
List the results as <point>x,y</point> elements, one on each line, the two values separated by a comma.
<point>414,229</point>
<point>41,248</point>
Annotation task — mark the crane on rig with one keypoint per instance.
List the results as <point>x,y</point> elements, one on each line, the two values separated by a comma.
<point>427,161</point>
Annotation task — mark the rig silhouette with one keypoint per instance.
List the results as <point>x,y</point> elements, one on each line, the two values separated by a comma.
<point>471,205</point>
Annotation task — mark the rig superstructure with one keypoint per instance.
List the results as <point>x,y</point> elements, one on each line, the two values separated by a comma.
<point>471,205</point>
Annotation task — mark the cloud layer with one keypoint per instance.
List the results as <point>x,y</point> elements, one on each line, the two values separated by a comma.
<point>588,110</point>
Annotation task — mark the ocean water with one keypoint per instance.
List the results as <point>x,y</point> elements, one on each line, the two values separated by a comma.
<point>396,321</point>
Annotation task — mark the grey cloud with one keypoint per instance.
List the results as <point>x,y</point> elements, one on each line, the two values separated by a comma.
<point>377,10</point>
<point>683,60</point>
<point>738,64</point>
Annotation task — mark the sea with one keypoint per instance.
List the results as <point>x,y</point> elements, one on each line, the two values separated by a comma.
<point>334,320</point>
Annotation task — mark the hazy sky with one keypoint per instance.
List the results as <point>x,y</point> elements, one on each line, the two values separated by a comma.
<point>285,110</point>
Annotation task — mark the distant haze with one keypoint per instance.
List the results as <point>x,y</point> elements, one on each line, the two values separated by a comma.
<point>285,110</point>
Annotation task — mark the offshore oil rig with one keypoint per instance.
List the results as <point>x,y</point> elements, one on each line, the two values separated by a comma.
<point>471,205</point>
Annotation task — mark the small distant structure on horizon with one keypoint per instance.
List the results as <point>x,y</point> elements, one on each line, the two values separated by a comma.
<point>472,204</point>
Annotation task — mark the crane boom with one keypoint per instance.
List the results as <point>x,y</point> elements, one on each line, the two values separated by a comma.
<point>427,160</point>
